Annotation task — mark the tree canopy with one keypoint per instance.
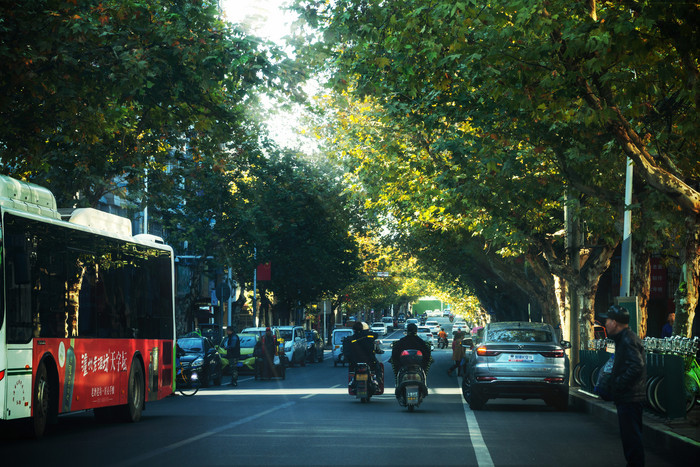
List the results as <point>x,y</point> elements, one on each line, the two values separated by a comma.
<point>506,115</point>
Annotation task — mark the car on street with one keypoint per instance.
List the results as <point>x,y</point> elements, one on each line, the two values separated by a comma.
<point>433,325</point>
<point>412,320</point>
<point>260,331</point>
<point>314,346</point>
<point>460,324</point>
<point>389,321</point>
<point>426,334</point>
<point>379,328</point>
<point>200,355</point>
<point>337,342</point>
<point>521,360</point>
<point>294,344</point>
<point>246,362</point>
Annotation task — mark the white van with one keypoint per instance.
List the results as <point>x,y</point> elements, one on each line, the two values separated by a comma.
<point>337,344</point>
<point>389,321</point>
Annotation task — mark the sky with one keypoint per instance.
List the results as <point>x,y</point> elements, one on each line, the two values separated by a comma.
<point>265,18</point>
<point>268,20</point>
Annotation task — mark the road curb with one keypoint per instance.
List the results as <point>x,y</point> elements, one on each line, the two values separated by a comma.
<point>658,436</point>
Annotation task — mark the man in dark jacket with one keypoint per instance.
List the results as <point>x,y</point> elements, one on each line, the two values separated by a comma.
<point>409,341</point>
<point>628,381</point>
<point>233,353</point>
<point>359,348</point>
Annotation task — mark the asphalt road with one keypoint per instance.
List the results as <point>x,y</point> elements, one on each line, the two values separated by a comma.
<point>309,419</point>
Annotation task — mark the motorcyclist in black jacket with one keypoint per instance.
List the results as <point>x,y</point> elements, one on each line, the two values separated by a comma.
<point>628,382</point>
<point>410,341</point>
<point>359,348</point>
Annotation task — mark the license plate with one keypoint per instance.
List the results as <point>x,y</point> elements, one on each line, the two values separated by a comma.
<point>362,377</point>
<point>411,395</point>
<point>521,358</point>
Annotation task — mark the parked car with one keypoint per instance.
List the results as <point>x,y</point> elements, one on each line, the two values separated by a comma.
<point>294,344</point>
<point>337,342</point>
<point>200,355</point>
<point>518,360</point>
<point>379,328</point>
<point>260,331</point>
<point>246,363</point>
<point>425,334</point>
<point>314,346</point>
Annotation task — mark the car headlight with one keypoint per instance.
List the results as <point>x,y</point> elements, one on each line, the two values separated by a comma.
<point>198,362</point>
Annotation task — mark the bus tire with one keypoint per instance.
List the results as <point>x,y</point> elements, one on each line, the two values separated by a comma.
<point>44,400</point>
<point>135,393</point>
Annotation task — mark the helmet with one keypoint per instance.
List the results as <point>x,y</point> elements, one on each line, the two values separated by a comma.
<point>411,328</point>
<point>357,326</point>
<point>365,326</point>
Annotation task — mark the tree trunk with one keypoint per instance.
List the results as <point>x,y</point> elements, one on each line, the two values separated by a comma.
<point>687,294</point>
<point>641,286</point>
<point>585,287</point>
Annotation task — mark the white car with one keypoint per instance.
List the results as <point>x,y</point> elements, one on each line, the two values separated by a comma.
<point>379,328</point>
<point>412,320</point>
<point>425,334</point>
<point>434,326</point>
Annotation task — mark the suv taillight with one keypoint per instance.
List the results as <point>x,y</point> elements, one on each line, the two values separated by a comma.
<point>482,351</point>
<point>559,353</point>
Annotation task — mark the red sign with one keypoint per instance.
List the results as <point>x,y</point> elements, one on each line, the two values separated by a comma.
<point>658,279</point>
<point>264,272</point>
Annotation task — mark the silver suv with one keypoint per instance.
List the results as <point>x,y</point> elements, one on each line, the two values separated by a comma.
<point>518,360</point>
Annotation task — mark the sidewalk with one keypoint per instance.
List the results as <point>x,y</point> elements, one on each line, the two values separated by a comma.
<point>679,439</point>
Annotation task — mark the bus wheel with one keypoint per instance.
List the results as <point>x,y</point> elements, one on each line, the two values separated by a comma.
<point>135,395</point>
<point>43,404</point>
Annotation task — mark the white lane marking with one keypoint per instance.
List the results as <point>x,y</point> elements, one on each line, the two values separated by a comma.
<point>184,442</point>
<point>483,457</point>
<point>316,393</point>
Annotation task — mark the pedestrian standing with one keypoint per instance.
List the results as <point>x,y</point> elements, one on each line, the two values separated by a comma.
<point>458,354</point>
<point>233,353</point>
<point>667,330</point>
<point>269,350</point>
<point>628,382</point>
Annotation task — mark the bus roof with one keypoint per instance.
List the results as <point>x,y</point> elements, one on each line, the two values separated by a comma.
<point>27,197</point>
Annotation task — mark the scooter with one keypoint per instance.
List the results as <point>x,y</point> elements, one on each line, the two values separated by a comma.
<point>411,387</point>
<point>365,383</point>
<point>442,342</point>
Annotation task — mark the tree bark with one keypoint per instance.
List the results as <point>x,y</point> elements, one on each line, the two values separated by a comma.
<point>641,286</point>
<point>689,284</point>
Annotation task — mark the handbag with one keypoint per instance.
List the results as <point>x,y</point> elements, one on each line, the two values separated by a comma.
<point>603,385</point>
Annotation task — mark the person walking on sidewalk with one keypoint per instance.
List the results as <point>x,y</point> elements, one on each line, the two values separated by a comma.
<point>628,382</point>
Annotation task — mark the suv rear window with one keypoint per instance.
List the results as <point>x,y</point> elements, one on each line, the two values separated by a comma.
<point>519,335</point>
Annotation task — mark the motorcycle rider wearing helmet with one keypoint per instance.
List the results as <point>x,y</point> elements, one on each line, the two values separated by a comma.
<point>359,348</point>
<point>410,341</point>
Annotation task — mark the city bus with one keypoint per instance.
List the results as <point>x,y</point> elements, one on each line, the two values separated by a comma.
<point>87,313</point>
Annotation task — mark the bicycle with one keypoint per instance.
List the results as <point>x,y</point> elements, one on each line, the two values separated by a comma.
<point>188,382</point>
<point>687,349</point>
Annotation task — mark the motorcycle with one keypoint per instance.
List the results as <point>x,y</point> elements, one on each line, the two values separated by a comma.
<point>442,342</point>
<point>365,382</point>
<point>411,387</point>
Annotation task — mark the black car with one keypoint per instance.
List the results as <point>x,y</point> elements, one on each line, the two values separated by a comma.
<point>200,355</point>
<point>314,346</point>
